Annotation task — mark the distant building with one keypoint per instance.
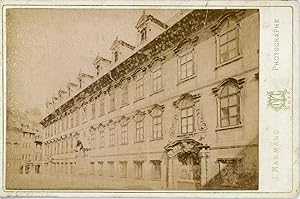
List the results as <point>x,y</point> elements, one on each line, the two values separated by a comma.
<point>22,149</point>
<point>178,111</point>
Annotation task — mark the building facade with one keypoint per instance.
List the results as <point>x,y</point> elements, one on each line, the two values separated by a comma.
<point>179,110</point>
<point>24,152</point>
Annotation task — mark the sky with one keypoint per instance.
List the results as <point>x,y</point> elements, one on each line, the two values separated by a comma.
<point>46,48</point>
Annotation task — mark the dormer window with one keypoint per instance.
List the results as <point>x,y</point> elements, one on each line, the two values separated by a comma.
<point>144,35</point>
<point>80,83</point>
<point>116,56</point>
<point>98,70</point>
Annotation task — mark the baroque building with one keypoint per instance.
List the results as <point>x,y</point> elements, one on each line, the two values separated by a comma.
<point>179,110</point>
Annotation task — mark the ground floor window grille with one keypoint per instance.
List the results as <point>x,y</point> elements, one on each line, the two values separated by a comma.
<point>138,165</point>
<point>156,169</point>
<point>123,169</point>
<point>111,169</point>
<point>100,168</point>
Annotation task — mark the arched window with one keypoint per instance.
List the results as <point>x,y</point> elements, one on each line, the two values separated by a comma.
<point>156,113</point>
<point>228,40</point>
<point>187,115</point>
<point>156,76</point>
<point>229,105</point>
<point>185,61</point>
<point>139,84</point>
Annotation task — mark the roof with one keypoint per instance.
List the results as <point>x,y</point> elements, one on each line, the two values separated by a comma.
<point>101,59</point>
<point>122,43</point>
<point>183,28</point>
<point>145,18</point>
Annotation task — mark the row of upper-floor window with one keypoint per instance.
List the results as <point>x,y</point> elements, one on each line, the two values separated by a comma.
<point>228,99</point>
<point>228,48</point>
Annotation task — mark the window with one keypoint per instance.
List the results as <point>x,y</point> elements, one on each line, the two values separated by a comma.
<point>77,117</point>
<point>228,41</point>
<point>80,83</point>
<point>157,126</point>
<point>93,139</point>
<point>189,170</point>
<point>140,131</point>
<point>67,122</point>
<point>71,144</point>
<point>100,168</point>
<point>230,170</point>
<point>116,56</point>
<point>84,114</point>
<point>101,101</point>
<point>156,78</point>
<point>186,65</point>
<point>111,169</point>
<point>101,138</point>
<point>93,110</point>
<point>112,137</point>
<point>138,165</point>
<point>124,134</point>
<point>123,169</point>
<point>72,120</point>
<point>187,116</point>
<point>143,34</point>
<point>125,93</point>
<point>229,106</point>
<point>112,101</point>
<point>156,169</point>
<point>92,168</point>
<point>139,85</point>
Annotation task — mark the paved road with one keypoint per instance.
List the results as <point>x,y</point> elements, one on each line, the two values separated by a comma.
<point>42,182</point>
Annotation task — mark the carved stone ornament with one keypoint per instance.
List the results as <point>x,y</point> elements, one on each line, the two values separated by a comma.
<point>154,108</point>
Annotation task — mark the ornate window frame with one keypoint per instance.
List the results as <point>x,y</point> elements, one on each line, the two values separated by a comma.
<point>139,77</point>
<point>193,99</point>
<point>185,47</point>
<point>155,65</point>
<point>124,87</point>
<point>217,28</point>
<point>238,83</point>
<point>139,118</point>
<point>124,124</point>
<point>155,112</point>
<point>112,133</point>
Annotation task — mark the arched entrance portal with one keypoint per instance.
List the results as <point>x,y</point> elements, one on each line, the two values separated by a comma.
<point>186,164</point>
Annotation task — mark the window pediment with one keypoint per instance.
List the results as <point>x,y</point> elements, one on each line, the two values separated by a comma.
<point>124,120</point>
<point>187,43</point>
<point>231,17</point>
<point>238,82</point>
<point>156,110</point>
<point>156,62</point>
<point>186,98</point>
<point>139,115</point>
<point>139,73</point>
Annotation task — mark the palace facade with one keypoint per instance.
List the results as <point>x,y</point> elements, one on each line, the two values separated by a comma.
<point>178,110</point>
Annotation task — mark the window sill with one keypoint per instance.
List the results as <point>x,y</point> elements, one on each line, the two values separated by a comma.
<point>112,145</point>
<point>125,104</point>
<point>190,181</point>
<point>155,139</point>
<point>124,143</point>
<point>158,91</point>
<point>139,141</point>
<point>186,79</point>
<point>228,127</point>
<point>112,110</point>
<point>186,134</point>
<point>156,179</point>
<point>101,115</point>
<point>219,65</point>
<point>139,99</point>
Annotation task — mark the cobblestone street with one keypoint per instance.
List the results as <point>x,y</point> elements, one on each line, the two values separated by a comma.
<point>42,182</point>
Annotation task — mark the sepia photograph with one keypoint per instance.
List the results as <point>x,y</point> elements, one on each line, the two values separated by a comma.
<point>132,99</point>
